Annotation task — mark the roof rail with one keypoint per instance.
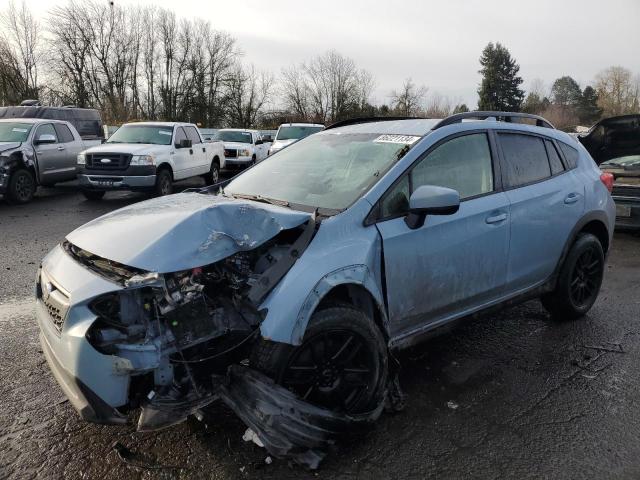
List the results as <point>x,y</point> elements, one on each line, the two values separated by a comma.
<point>355,121</point>
<point>497,116</point>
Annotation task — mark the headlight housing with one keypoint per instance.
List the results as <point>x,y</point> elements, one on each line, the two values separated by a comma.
<point>244,152</point>
<point>142,160</point>
<point>82,159</point>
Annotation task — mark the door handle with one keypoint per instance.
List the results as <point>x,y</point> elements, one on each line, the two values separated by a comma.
<point>572,198</point>
<point>191,151</point>
<point>496,218</point>
<point>204,150</point>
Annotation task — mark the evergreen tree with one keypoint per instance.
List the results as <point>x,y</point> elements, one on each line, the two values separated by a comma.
<point>500,86</point>
<point>588,111</point>
<point>462,108</point>
<point>566,92</point>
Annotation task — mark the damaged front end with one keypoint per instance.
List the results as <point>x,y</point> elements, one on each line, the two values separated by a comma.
<point>177,332</point>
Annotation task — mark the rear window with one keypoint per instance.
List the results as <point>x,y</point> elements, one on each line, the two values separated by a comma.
<point>526,159</point>
<point>570,155</point>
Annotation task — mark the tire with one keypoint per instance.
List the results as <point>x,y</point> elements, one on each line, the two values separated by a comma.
<point>93,195</point>
<point>21,187</point>
<point>579,281</point>
<point>213,176</point>
<point>164,183</point>
<point>328,368</point>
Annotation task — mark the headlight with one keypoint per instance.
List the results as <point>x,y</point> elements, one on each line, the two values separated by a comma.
<point>82,159</point>
<point>142,160</point>
<point>244,153</point>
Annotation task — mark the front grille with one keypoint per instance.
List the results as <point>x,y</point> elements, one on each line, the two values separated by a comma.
<point>230,153</point>
<point>108,161</point>
<point>626,191</point>
<point>54,299</point>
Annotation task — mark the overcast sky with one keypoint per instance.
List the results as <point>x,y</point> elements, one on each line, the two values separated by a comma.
<point>437,43</point>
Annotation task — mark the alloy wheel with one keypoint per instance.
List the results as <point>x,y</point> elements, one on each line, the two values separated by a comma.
<point>586,278</point>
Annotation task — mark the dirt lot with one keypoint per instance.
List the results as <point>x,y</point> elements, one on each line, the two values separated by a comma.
<point>513,395</point>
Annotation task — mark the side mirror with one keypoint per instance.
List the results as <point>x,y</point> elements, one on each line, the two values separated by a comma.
<point>431,200</point>
<point>45,138</point>
<point>258,142</point>
<point>184,143</point>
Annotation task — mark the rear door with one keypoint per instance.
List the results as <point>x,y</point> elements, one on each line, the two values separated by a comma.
<point>454,263</point>
<point>71,147</point>
<point>52,163</point>
<point>200,160</point>
<point>547,200</point>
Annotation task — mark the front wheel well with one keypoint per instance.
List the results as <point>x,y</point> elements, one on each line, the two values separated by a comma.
<point>356,295</point>
<point>216,160</point>
<point>597,228</point>
<point>165,166</point>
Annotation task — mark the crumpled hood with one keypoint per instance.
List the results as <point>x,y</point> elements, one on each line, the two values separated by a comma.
<point>280,144</point>
<point>130,148</point>
<point>613,137</point>
<point>4,146</point>
<point>183,231</point>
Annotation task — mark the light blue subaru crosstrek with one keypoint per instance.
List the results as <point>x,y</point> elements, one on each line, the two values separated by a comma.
<point>308,269</point>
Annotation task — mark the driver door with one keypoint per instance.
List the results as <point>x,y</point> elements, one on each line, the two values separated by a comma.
<point>50,155</point>
<point>455,263</point>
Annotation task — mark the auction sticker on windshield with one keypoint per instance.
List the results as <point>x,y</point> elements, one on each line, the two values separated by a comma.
<point>403,139</point>
<point>165,132</point>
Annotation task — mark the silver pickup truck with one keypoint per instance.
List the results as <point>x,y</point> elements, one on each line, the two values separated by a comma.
<point>36,151</point>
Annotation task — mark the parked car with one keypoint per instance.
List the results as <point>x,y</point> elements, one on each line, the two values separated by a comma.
<point>614,144</point>
<point>34,152</point>
<point>207,134</point>
<point>87,121</point>
<point>148,156</point>
<point>284,297</point>
<point>242,148</point>
<point>268,136</point>
<point>289,133</point>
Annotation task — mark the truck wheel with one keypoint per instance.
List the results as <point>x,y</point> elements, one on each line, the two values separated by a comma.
<point>164,183</point>
<point>579,280</point>
<point>341,365</point>
<point>93,195</point>
<point>213,176</point>
<point>22,187</point>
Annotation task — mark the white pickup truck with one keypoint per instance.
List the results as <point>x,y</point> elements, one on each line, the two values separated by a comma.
<point>148,156</point>
<point>242,147</point>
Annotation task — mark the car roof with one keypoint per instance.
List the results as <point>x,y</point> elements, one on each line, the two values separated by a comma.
<point>31,120</point>
<point>417,127</point>
<point>301,125</point>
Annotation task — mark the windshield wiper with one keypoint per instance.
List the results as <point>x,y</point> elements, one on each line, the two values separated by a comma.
<point>259,198</point>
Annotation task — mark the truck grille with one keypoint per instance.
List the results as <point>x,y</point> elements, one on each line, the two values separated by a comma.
<point>108,161</point>
<point>54,300</point>
<point>626,191</point>
<point>230,153</point>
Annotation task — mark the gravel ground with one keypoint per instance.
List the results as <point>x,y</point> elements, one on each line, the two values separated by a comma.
<point>511,395</point>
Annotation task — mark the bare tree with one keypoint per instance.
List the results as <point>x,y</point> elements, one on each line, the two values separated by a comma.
<point>295,92</point>
<point>249,92</point>
<point>12,83</point>
<point>618,91</point>
<point>22,39</point>
<point>409,100</point>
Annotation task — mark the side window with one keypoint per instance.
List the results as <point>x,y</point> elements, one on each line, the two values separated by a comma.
<point>192,134</point>
<point>46,129</point>
<point>64,134</point>
<point>180,135</point>
<point>570,155</point>
<point>396,200</point>
<point>554,158</point>
<point>525,159</point>
<point>463,163</point>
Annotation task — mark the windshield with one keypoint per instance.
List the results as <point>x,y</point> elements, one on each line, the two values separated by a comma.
<point>14,132</point>
<point>296,133</point>
<point>624,161</point>
<point>329,171</point>
<point>149,134</point>
<point>233,136</point>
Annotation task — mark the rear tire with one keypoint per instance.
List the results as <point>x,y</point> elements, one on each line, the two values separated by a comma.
<point>93,195</point>
<point>22,187</point>
<point>579,281</point>
<point>164,183</point>
<point>342,363</point>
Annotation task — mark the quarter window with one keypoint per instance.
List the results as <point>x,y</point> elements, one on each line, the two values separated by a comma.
<point>554,158</point>
<point>396,200</point>
<point>570,154</point>
<point>525,159</point>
